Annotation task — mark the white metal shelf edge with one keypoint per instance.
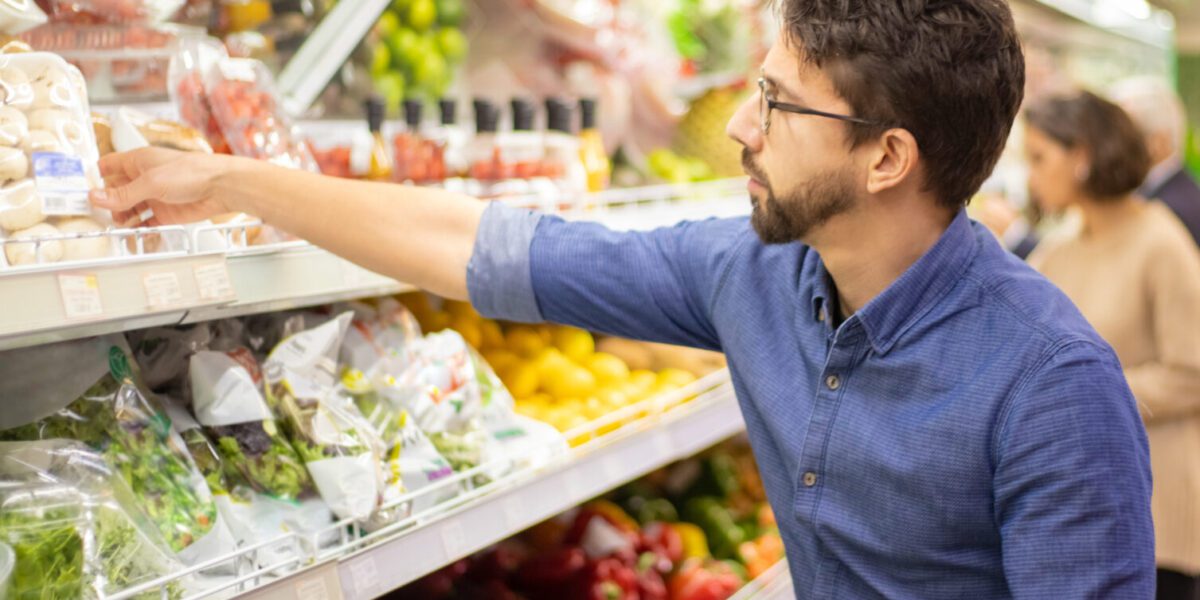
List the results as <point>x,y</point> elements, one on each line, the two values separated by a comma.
<point>388,566</point>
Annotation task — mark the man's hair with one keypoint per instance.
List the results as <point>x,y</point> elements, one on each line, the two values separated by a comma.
<point>1115,146</point>
<point>1154,105</point>
<point>951,72</point>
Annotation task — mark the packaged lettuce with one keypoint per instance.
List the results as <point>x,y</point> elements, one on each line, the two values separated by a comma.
<point>376,332</point>
<point>524,441</point>
<point>76,529</point>
<point>410,462</point>
<point>117,418</point>
<point>331,437</point>
<point>228,404</point>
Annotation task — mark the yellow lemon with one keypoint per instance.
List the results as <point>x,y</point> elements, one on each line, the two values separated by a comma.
<point>570,382</point>
<point>612,398</point>
<point>500,360</point>
<point>675,378</point>
<point>524,341</point>
<point>639,384</point>
<point>469,329</point>
<point>493,338</point>
<point>436,322</point>
<point>520,379</point>
<point>594,408</point>
<point>607,368</point>
<point>461,310</point>
<point>550,361</point>
<point>577,344</point>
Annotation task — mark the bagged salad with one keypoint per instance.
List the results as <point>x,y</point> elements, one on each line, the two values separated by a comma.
<point>331,437</point>
<point>409,460</point>
<point>228,404</point>
<point>115,417</point>
<point>77,530</point>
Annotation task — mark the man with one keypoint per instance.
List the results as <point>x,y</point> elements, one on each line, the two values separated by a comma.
<point>1158,111</point>
<point>931,418</point>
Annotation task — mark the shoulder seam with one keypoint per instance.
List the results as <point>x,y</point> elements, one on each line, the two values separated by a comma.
<point>723,278</point>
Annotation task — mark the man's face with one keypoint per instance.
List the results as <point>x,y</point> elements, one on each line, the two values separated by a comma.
<point>802,171</point>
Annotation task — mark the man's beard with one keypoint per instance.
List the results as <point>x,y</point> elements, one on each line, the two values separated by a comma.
<point>792,218</point>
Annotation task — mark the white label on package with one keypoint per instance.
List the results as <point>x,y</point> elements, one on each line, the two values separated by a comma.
<point>162,290</point>
<point>80,296</point>
<point>61,184</point>
<point>213,282</point>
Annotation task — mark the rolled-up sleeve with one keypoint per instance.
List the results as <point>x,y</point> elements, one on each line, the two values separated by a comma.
<point>498,277</point>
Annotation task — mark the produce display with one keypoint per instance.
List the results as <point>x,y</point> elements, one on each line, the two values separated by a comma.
<point>76,529</point>
<point>111,11</point>
<point>186,80</point>
<point>696,530</point>
<point>561,375</point>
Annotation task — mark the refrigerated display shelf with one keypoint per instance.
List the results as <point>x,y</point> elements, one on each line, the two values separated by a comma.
<point>344,562</point>
<point>203,280</point>
<point>775,584</point>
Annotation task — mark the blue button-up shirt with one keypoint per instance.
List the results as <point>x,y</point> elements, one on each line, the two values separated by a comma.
<point>966,435</point>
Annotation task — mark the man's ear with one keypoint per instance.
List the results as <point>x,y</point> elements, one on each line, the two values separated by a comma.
<point>894,160</point>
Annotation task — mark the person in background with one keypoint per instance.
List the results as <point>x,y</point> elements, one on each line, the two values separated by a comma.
<point>1158,111</point>
<point>1134,272</point>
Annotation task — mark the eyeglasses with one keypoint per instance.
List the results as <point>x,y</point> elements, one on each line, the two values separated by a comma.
<point>766,104</point>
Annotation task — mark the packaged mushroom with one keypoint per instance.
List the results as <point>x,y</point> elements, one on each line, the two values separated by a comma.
<point>48,157</point>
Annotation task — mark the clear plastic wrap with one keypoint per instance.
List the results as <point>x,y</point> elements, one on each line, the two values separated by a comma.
<point>186,75</point>
<point>133,129</point>
<point>76,529</point>
<point>242,95</point>
<point>117,419</point>
<point>331,437</point>
<point>17,16</point>
<point>227,402</point>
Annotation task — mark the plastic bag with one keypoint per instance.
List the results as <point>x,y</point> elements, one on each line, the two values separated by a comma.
<point>227,402</point>
<point>410,461</point>
<point>133,129</point>
<point>76,529</point>
<point>333,440</point>
<point>376,332</point>
<point>243,100</point>
<point>18,16</point>
<point>185,80</point>
<point>162,354</point>
<point>117,419</point>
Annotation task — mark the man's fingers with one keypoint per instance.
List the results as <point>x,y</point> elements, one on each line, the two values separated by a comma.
<point>127,166</point>
<point>126,197</point>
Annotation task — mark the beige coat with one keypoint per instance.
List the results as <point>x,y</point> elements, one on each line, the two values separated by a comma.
<point>1139,286</point>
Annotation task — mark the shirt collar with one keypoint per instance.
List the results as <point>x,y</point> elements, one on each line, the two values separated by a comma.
<point>892,312</point>
<point>1160,174</point>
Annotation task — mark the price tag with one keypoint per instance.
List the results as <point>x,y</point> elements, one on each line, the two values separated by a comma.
<point>313,589</point>
<point>162,290</point>
<point>453,539</point>
<point>80,296</point>
<point>213,282</point>
<point>514,512</point>
<point>365,576</point>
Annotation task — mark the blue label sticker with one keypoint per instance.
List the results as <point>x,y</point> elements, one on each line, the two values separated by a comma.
<point>61,183</point>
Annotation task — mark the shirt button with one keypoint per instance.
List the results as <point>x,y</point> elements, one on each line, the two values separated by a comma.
<point>832,382</point>
<point>821,315</point>
<point>810,479</point>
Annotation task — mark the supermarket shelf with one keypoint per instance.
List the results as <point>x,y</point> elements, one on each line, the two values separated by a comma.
<point>1134,19</point>
<point>775,584</point>
<point>55,302</point>
<point>295,276</point>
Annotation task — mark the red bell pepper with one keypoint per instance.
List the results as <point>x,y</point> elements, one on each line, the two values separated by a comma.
<point>651,568</point>
<point>611,579</point>
<point>701,580</point>
<point>552,570</point>
<point>663,540</point>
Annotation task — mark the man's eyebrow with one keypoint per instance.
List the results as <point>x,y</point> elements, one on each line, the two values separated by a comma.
<point>783,88</point>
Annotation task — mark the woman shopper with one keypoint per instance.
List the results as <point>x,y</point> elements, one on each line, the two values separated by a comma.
<point>1133,271</point>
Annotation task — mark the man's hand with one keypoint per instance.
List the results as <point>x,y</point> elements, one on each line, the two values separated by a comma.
<point>156,186</point>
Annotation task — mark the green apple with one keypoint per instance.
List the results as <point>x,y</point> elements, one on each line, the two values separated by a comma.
<point>452,44</point>
<point>387,24</point>
<point>450,13</point>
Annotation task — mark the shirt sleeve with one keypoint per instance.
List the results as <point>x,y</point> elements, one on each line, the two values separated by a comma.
<point>656,286</point>
<point>1072,482</point>
<point>1169,386</point>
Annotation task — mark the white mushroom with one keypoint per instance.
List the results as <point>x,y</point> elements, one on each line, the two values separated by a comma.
<point>31,253</point>
<point>43,141</point>
<point>13,164</point>
<point>20,205</point>
<point>53,88</point>
<point>14,127</point>
<point>88,248</point>
<point>63,125</point>
<point>15,88</point>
